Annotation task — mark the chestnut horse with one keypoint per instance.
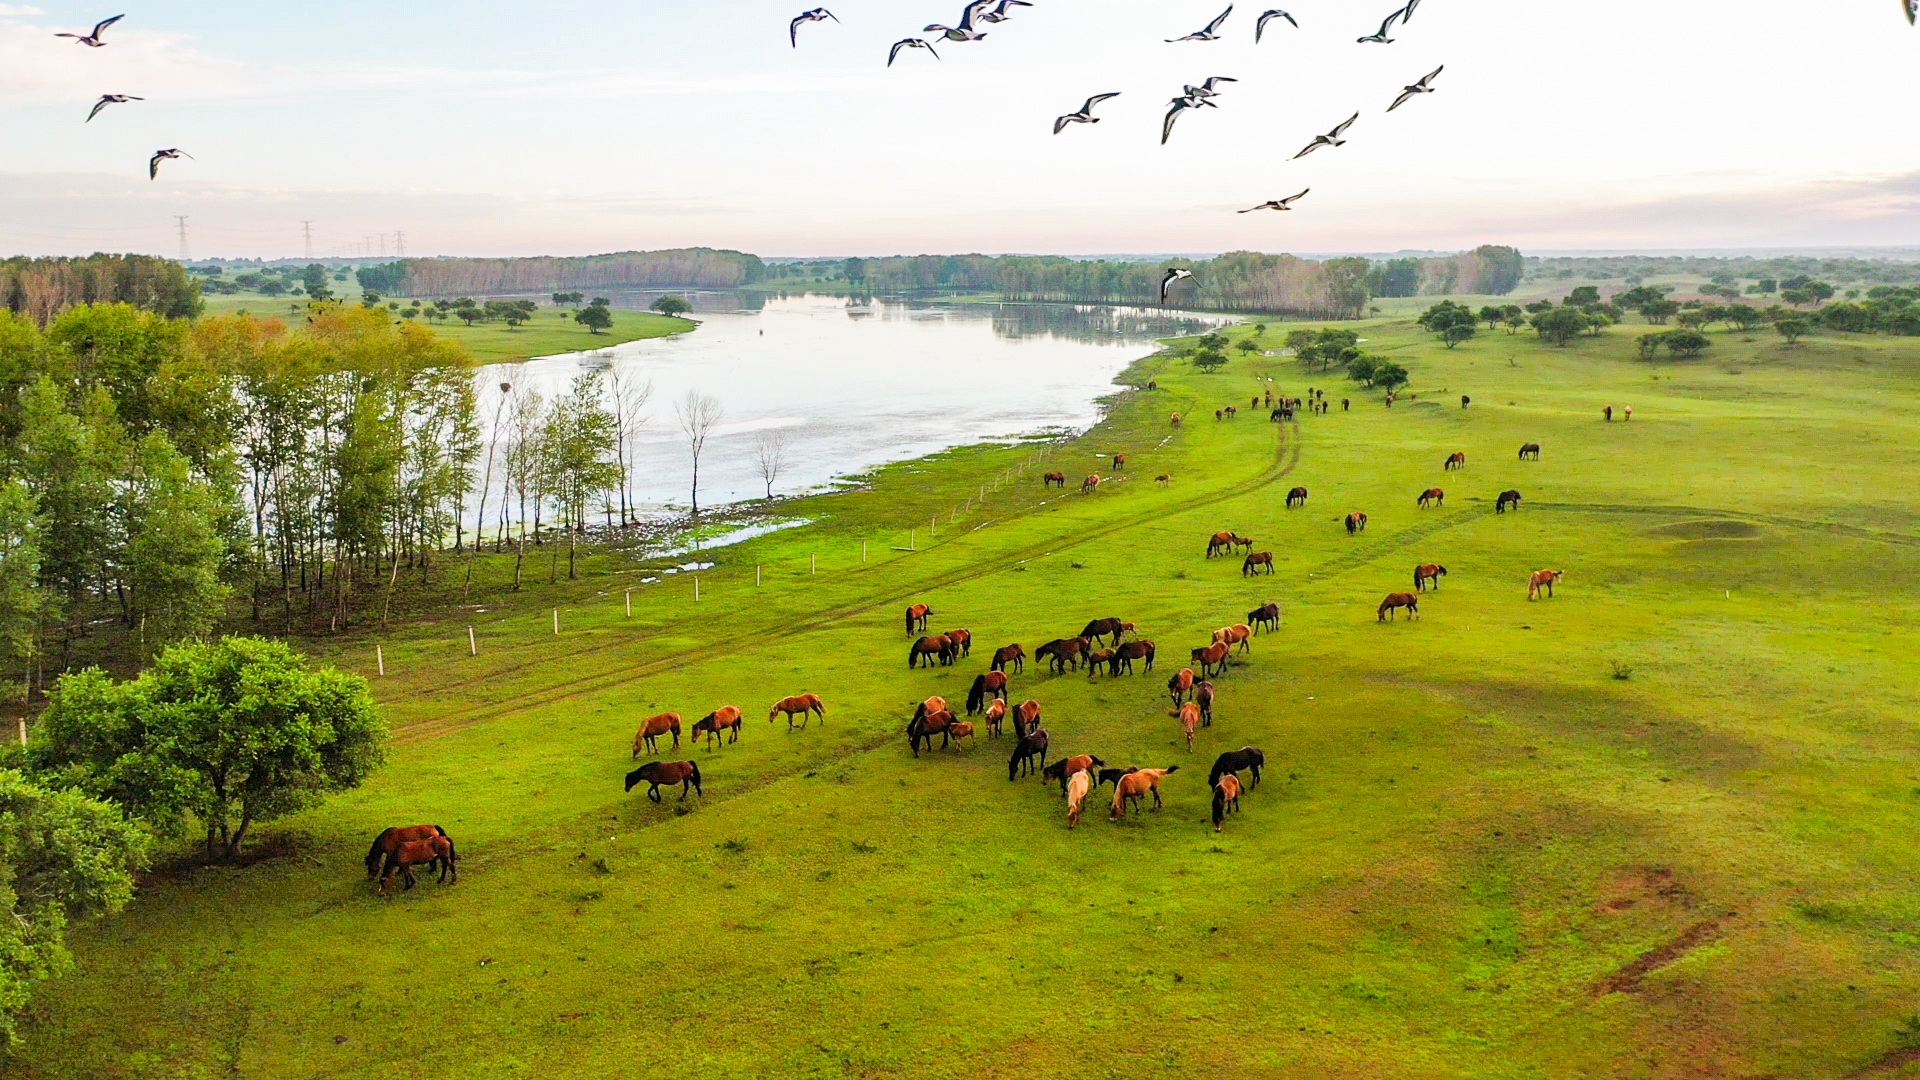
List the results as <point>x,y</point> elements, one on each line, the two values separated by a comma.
<point>1507,497</point>
<point>932,705</point>
<point>1267,615</point>
<point>960,730</point>
<point>1225,541</point>
<point>1247,757</point>
<point>1394,602</point>
<point>1203,697</point>
<point>1426,572</point>
<point>1163,479</point>
<point>1063,652</point>
<point>656,774</point>
<point>1176,419</point>
<point>390,840</point>
<point>1238,634</point>
<point>1296,497</point>
<point>1066,767</point>
<point>1530,450</point>
<point>1012,654</point>
<point>1455,460</point>
<point>940,645</point>
<point>992,684</point>
<point>431,851</point>
<point>1128,653</point>
<point>1132,786</point>
<point>1026,717</point>
<point>1255,560</point>
<point>1032,745</point>
<point>1180,686</point>
<point>1099,628</point>
<point>803,705</point>
<point>654,727</point>
<point>1212,658</point>
<point>1356,522</point>
<point>996,712</point>
<point>1096,658</point>
<point>724,718</point>
<point>962,640</point>
<point>1542,579</point>
<point>1053,479</point>
<point>1077,789</point>
<point>1091,484</point>
<point>1226,797</point>
<point>1119,461</point>
<point>926,726</point>
<point>1189,716</point>
<point>917,617</point>
<point>1432,495</point>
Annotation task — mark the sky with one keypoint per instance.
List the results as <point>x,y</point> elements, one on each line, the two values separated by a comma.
<point>579,126</point>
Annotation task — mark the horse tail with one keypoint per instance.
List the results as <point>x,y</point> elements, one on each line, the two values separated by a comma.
<point>1219,806</point>
<point>695,766</point>
<point>1416,577</point>
<point>975,695</point>
<point>452,856</point>
<point>911,649</point>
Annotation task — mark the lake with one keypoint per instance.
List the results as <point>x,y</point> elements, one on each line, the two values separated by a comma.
<point>855,383</point>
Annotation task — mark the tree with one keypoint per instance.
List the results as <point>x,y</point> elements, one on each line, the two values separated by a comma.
<point>1446,314</point>
<point>228,734</point>
<point>1649,344</point>
<point>697,415</point>
<point>1387,375</point>
<point>1767,286</point>
<point>1742,316</point>
<point>770,454</point>
<point>1246,345</point>
<point>1209,359</point>
<point>1560,325</point>
<point>315,277</point>
<point>1515,321</point>
<point>1792,329</point>
<point>166,546</point>
<point>630,396</point>
<point>1658,312</point>
<point>1583,296</point>
<point>671,306</point>
<point>1360,369</point>
<point>1687,343</point>
<point>21,598</point>
<point>1298,340</point>
<point>577,448</point>
<point>1457,333</point>
<point>594,317</point>
<point>1492,314</point>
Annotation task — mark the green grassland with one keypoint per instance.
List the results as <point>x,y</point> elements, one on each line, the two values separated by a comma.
<point>1660,825</point>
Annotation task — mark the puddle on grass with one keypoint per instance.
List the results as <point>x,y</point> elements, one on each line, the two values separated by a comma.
<point>731,536</point>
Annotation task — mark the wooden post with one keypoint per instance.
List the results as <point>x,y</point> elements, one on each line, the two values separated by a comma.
<point>23,732</point>
<point>815,563</point>
<point>696,590</point>
<point>380,657</point>
<point>629,603</point>
<point>472,649</point>
<point>863,551</point>
<point>756,574</point>
<point>911,544</point>
<point>556,620</point>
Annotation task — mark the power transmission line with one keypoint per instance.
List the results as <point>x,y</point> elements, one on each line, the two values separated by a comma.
<point>306,227</point>
<point>184,254</point>
<point>400,242</point>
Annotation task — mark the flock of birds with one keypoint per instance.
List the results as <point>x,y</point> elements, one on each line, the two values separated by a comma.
<point>96,39</point>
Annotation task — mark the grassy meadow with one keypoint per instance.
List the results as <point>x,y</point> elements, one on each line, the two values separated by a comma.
<point>1660,825</point>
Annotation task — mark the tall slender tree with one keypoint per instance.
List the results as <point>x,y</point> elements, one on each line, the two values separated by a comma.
<point>698,414</point>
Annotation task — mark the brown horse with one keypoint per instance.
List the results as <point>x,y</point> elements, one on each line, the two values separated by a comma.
<point>1233,411</point>
<point>1509,497</point>
<point>805,706</point>
<point>1203,697</point>
<point>1542,579</point>
<point>1066,767</point>
<point>1064,652</point>
<point>1296,497</point>
<point>991,685</point>
<point>1176,419</point>
<point>1455,460</point>
<point>1100,628</point>
<point>1053,479</point>
<point>959,730</point>
<point>962,640</point>
<point>725,718</point>
<point>1189,716</point>
<point>1255,560</point>
<point>1432,495</point>
<point>939,646</point>
<point>1180,686</point>
<point>1267,615</point>
<point>1395,601</point>
<point>917,617</point>
<point>1012,654</point>
<point>1127,653</point>
<point>1225,541</point>
<point>1134,785</point>
<point>1219,414</point>
<point>927,726</point>
<point>429,852</point>
<point>654,727</point>
<point>1356,522</point>
<point>1163,479</point>
<point>1426,572</point>
<point>1091,484</point>
<point>1212,658</point>
<point>390,840</point>
<point>1096,658</point>
<point>1238,634</point>
<point>1026,717</point>
<point>1077,789</point>
<point>658,774</point>
<point>1226,798</point>
<point>1530,450</point>
<point>1119,461</point>
<point>996,712</point>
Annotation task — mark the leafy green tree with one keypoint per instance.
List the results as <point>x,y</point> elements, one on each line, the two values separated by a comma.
<point>1387,375</point>
<point>315,277</point>
<point>1445,314</point>
<point>1686,343</point>
<point>229,734</point>
<point>1582,296</point>
<point>1649,344</point>
<point>1792,329</point>
<point>22,601</point>
<point>1360,369</point>
<point>1658,312</point>
<point>1247,345</point>
<point>594,317</point>
<point>1515,321</point>
<point>1539,306</point>
<point>1334,341</point>
<point>1767,286</point>
<point>856,271</point>
<point>1742,317</point>
<point>470,314</point>
<point>1209,360</point>
<point>1457,333</point>
<point>1298,340</point>
<point>577,447</point>
<point>167,548</point>
<point>1492,315</point>
<point>671,306</point>
<point>1560,325</point>
<point>1395,277</point>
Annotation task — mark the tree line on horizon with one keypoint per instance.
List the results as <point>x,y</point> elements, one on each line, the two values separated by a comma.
<point>706,268</point>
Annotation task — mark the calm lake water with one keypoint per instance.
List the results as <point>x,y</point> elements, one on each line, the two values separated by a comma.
<point>856,383</point>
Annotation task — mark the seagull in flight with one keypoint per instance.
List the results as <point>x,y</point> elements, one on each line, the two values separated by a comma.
<point>1406,13</point>
<point>999,14</point>
<point>92,40</point>
<point>1276,13</point>
<point>1206,89</point>
<point>816,15</point>
<point>909,43</point>
<point>1331,138</point>
<point>965,31</point>
<point>1207,33</point>
<point>1380,36</point>
<point>110,99</point>
<point>1180,105</point>
<point>153,166</point>
<point>1409,92</point>
<point>1174,273</point>
<point>1274,204</point>
<point>1084,116</point>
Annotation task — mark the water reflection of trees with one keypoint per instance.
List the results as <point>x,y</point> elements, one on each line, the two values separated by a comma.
<point>1097,324</point>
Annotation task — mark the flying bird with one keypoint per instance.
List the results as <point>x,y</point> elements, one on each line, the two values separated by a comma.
<point>93,40</point>
<point>1180,105</point>
<point>1206,89</point>
<point>1912,8</point>
<point>1406,13</point>
<point>110,99</point>
<point>1331,138</point>
<point>153,166</point>
<point>965,31</point>
<point>1084,116</point>
<point>1380,36</point>
<point>1261,25</point>
<point>999,14</point>
<point>1207,33</point>
<point>1174,273</point>
<point>909,43</point>
<point>1408,93</point>
<point>816,15</point>
<point>1274,204</point>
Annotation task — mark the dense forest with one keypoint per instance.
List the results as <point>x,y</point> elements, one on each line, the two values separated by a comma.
<point>682,268</point>
<point>41,289</point>
<point>1637,268</point>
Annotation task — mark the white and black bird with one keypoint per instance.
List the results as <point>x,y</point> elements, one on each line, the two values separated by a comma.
<point>1208,32</point>
<point>93,40</point>
<point>816,15</point>
<point>909,43</point>
<point>1206,89</point>
<point>1275,204</point>
<point>1380,36</point>
<point>999,14</point>
<point>1084,116</point>
<point>1174,273</point>
<point>1408,93</point>
<point>1912,8</point>
<point>1261,25</point>
<point>965,31</point>
<point>110,99</point>
<point>153,165</point>
<point>1180,105</point>
<point>1331,138</point>
<point>1406,13</point>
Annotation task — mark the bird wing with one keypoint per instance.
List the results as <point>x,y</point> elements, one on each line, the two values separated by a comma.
<point>103,24</point>
<point>793,30</point>
<point>1288,17</point>
<point>1291,198</point>
<point>929,47</point>
<point>1311,147</point>
<point>1431,74</point>
<point>1260,27</point>
<point>1402,99</point>
<point>1215,24</point>
<point>1251,209</point>
<point>973,8</point>
<point>1061,122</point>
<point>1381,34</point>
<point>1336,132</point>
<point>1166,126</point>
<point>1216,79</point>
<point>1912,8</point>
<point>1097,99</point>
<point>97,106</point>
<point>1406,13</point>
<point>153,166</point>
<point>895,51</point>
<point>830,15</point>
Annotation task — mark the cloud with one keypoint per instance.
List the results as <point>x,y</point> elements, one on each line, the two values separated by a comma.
<point>19,9</point>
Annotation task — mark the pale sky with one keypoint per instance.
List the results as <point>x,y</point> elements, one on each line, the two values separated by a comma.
<point>581,126</point>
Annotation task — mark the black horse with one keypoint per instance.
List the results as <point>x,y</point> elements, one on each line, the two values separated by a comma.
<point>1247,757</point>
<point>1031,745</point>
<point>1112,776</point>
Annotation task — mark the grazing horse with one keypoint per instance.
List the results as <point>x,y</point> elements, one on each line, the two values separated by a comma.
<point>390,840</point>
<point>1530,450</point>
<point>960,730</point>
<point>996,712</point>
<point>962,640</point>
<point>721,719</point>
<point>1394,602</point>
<point>1066,767</point>
<point>1247,757</point>
<point>1012,654</point>
<point>1053,479</point>
<point>1063,652</point>
<point>1212,658</point>
<point>1112,776</point>
<point>1233,410</point>
<point>431,851</point>
<point>1432,495</point>
<point>1296,497</point>
<point>805,706</point>
<point>940,646</point>
<point>1226,797</point>
<point>1465,401</point>
<point>1180,686</point>
<point>1076,790</point>
<point>1238,634</point>
<point>1254,561</point>
<point>1226,541</point>
<point>930,706</point>
<point>1026,717</point>
<point>1356,522</point>
<point>1629,412</point>
<point>991,685</point>
<point>1176,419</point>
<point>1608,413</point>
<point>1096,658</point>
<point>1267,615</point>
<point>1426,572</point>
<point>917,617</point>
<point>1099,628</point>
<point>1455,460</point>
<point>927,726</point>
<point>1091,484</point>
<point>1189,716</point>
<point>1119,461</point>
<point>1128,653</point>
<point>658,774</point>
<point>1203,697</point>
<point>654,727</point>
<point>1032,745</point>
<point>1131,787</point>
<point>1509,497</point>
<point>1542,579</point>
<point>1163,479</point>
<point>1219,414</point>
